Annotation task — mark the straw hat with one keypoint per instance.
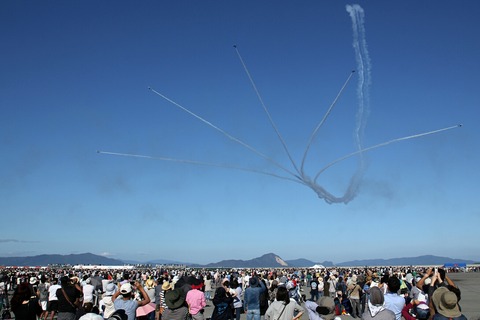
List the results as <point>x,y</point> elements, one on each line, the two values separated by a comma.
<point>150,283</point>
<point>166,286</point>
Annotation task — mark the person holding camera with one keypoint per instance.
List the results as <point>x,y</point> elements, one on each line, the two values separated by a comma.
<point>126,303</point>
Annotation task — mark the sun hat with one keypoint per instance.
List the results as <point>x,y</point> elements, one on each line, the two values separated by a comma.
<point>446,302</point>
<point>126,288</point>
<point>110,289</point>
<point>166,286</point>
<point>33,280</point>
<point>328,304</point>
<point>174,299</point>
<point>150,283</point>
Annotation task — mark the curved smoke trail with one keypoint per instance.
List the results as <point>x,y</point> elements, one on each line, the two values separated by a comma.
<point>363,89</point>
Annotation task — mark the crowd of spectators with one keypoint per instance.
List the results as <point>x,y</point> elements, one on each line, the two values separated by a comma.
<point>262,293</point>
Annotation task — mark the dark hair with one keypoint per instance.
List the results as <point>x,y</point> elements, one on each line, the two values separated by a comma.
<point>87,306</point>
<point>442,273</point>
<point>456,291</point>
<point>393,284</point>
<point>235,284</point>
<point>21,293</point>
<point>282,295</point>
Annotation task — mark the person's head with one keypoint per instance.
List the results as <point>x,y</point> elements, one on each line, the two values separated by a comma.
<point>456,291</point>
<point>88,306</point>
<point>282,295</point>
<point>446,302</point>
<point>220,293</point>
<point>235,284</point>
<point>326,307</point>
<point>22,293</point>
<point>253,281</point>
<point>393,284</point>
<point>376,296</point>
<point>126,290</point>
<point>441,272</point>
<point>65,281</point>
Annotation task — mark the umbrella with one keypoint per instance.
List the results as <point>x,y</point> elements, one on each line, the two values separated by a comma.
<point>146,309</point>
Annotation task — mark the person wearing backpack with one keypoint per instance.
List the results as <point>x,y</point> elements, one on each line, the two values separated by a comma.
<point>354,292</point>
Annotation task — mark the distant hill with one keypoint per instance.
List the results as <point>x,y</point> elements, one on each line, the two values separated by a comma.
<point>302,263</point>
<point>269,260</point>
<point>71,259</point>
<point>414,261</point>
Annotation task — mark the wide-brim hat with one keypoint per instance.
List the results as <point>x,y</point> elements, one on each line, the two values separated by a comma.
<point>446,303</point>
<point>329,304</point>
<point>150,283</point>
<point>166,286</point>
<point>110,289</point>
<point>33,280</point>
<point>174,299</point>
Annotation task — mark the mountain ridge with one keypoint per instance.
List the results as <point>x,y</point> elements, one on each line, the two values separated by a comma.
<point>265,261</point>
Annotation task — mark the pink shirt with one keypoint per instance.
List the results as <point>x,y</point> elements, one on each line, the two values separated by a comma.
<point>196,301</point>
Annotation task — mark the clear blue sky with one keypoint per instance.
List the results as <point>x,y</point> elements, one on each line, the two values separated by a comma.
<point>74,79</point>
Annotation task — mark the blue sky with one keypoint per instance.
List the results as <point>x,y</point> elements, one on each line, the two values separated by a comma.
<point>74,79</point>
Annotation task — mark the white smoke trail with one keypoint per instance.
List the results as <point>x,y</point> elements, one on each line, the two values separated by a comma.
<point>363,93</point>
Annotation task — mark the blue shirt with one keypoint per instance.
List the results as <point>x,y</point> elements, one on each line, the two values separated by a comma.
<point>130,307</point>
<point>252,297</point>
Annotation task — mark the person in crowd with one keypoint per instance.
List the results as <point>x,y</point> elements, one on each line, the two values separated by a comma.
<point>125,302</point>
<point>354,291</point>
<point>88,291</point>
<point>208,287</point>
<point>106,305</point>
<point>222,302</point>
<point>332,284</point>
<point>237,299</point>
<point>68,299</point>
<point>252,298</point>
<point>284,308</point>
<point>196,301</point>
<point>176,306</point>
<point>375,309</point>
<point>445,305</point>
<point>52,305</point>
<point>25,304</point>
<point>394,301</point>
<point>43,296</point>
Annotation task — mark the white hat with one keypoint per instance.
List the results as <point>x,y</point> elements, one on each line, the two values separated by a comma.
<point>33,280</point>
<point>126,288</point>
<point>110,289</point>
